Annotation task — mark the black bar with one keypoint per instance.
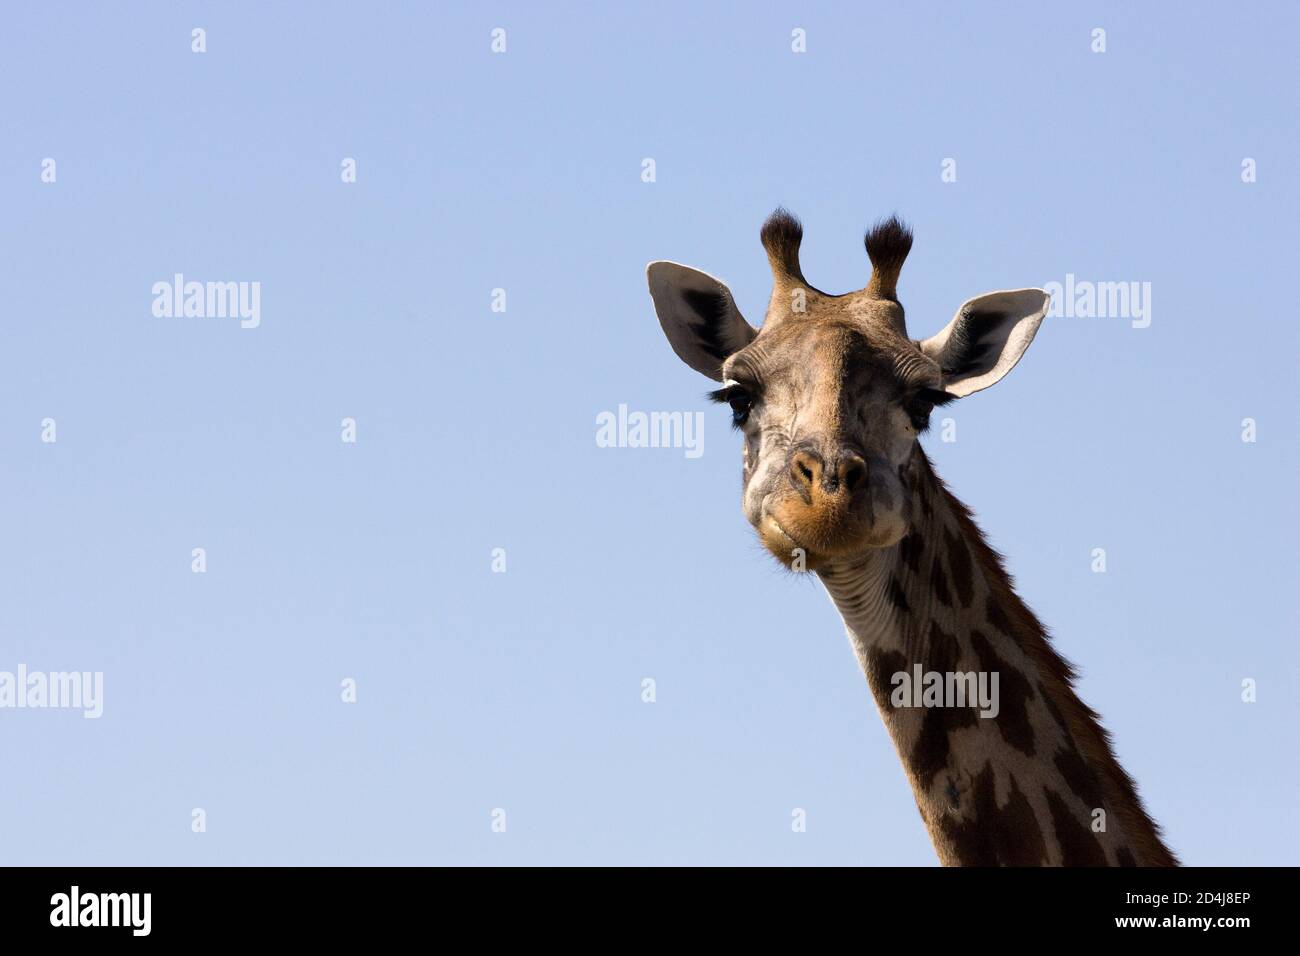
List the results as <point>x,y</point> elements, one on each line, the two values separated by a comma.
<point>333,905</point>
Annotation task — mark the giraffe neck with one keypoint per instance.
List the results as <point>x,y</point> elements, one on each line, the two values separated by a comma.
<point>1033,781</point>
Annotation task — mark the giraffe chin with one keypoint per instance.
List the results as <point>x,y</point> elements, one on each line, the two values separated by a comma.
<point>788,549</point>
<point>782,546</point>
<point>798,556</point>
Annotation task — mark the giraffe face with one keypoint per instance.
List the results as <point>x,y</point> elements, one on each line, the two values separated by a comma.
<point>831,394</point>
<point>829,407</point>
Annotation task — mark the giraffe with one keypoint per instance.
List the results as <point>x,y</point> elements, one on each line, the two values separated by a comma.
<point>830,398</point>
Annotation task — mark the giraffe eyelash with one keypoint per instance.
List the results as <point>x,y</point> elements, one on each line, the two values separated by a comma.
<point>740,398</point>
<point>933,396</point>
<point>920,403</point>
<point>729,388</point>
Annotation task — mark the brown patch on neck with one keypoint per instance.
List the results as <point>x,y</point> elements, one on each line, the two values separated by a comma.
<point>1015,693</point>
<point>1007,835</point>
<point>929,755</point>
<point>1079,847</point>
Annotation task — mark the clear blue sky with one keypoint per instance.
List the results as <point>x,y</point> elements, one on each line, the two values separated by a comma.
<point>476,429</point>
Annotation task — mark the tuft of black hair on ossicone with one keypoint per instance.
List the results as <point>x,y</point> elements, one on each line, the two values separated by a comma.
<point>888,242</point>
<point>781,235</point>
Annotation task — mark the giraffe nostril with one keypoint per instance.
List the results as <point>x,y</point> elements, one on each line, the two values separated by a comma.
<point>853,473</point>
<point>805,469</point>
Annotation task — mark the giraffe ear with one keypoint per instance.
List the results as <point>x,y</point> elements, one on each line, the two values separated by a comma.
<point>986,338</point>
<point>698,315</point>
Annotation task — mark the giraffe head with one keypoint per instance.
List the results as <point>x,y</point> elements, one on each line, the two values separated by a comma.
<point>831,394</point>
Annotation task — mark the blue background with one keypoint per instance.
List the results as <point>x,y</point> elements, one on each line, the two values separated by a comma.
<point>476,429</point>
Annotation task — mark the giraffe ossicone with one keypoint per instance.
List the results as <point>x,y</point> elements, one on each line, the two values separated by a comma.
<point>830,396</point>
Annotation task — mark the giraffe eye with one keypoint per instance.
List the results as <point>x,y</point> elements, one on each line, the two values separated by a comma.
<point>738,397</point>
<point>741,403</point>
<point>918,411</point>
<point>920,404</point>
